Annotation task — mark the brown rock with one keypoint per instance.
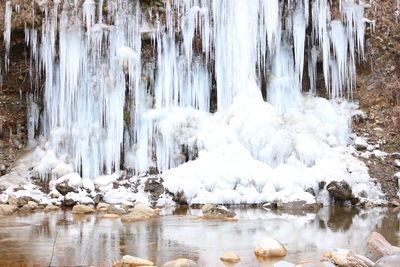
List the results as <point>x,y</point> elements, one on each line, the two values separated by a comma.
<point>51,207</point>
<point>378,246</point>
<point>130,261</point>
<point>6,210</point>
<point>345,258</point>
<point>83,209</point>
<point>230,257</point>
<point>212,211</point>
<point>269,247</point>
<point>117,209</point>
<point>102,207</point>
<point>140,212</point>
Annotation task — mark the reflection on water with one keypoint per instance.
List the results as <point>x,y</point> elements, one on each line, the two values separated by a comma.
<point>90,240</point>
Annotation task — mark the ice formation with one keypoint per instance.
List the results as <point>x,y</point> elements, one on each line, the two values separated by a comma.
<point>107,108</point>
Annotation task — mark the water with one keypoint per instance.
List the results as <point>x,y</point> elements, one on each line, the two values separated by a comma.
<point>90,240</point>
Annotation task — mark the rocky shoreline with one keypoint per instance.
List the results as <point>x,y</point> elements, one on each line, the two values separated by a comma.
<point>380,253</point>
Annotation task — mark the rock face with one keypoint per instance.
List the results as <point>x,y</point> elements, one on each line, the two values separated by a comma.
<point>6,210</point>
<point>340,191</point>
<point>129,261</point>
<point>388,261</point>
<point>181,263</point>
<point>212,211</point>
<point>269,247</point>
<point>345,258</point>
<point>140,212</point>
<point>230,257</point>
<point>82,209</point>
<point>378,247</point>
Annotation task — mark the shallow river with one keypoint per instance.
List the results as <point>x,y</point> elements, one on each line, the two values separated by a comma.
<point>63,239</point>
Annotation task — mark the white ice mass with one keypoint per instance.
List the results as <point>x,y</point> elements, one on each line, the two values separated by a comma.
<point>107,108</point>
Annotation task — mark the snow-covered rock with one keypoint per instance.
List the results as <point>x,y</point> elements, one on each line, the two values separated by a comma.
<point>61,169</point>
<point>397,163</point>
<point>68,183</point>
<point>360,143</point>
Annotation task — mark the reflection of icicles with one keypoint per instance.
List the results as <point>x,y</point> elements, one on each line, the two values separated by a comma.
<point>7,32</point>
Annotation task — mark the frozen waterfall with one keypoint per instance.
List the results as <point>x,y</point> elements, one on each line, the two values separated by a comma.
<point>194,109</point>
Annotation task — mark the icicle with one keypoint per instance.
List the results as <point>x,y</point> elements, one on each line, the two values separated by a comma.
<point>7,32</point>
<point>321,17</point>
<point>312,68</point>
<point>299,36</point>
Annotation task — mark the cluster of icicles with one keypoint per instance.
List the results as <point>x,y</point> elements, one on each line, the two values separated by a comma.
<point>105,108</point>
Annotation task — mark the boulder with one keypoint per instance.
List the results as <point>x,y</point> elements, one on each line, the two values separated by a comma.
<point>181,263</point>
<point>389,261</point>
<point>230,257</point>
<point>130,261</point>
<point>18,201</point>
<point>32,205</point>
<point>345,258</point>
<point>340,191</point>
<point>269,247</point>
<point>378,246</point>
<point>51,207</point>
<point>102,207</point>
<point>140,212</point>
<point>297,205</point>
<point>360,143</point>
<point>118,209</point>
<point>83,209</point>
<point>73,198</point>
<point>6,210</point>
<point>155,188</point>
<point>396,163</point>
<point>68,183</point>
<point>212,211</point>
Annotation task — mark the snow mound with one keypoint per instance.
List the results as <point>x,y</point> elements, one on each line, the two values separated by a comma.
<point>253,154</point>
